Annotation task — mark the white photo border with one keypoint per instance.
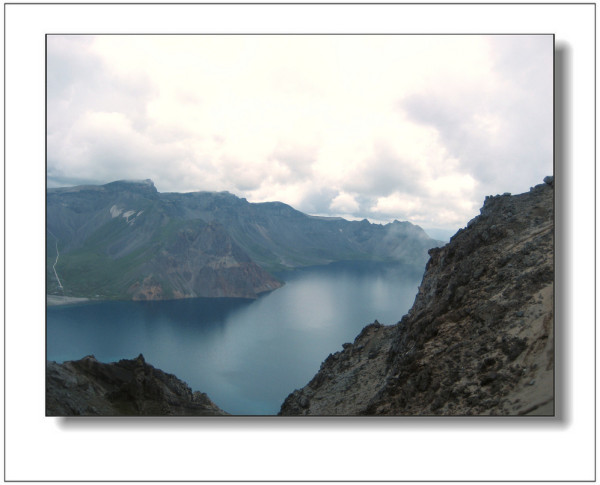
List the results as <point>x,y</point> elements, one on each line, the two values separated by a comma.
<point>317,449</point>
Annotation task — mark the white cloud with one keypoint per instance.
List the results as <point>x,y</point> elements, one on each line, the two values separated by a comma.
<point>454,185</point>
<point>388,127</point>
<point>344,204</point>
<point>397,203</point>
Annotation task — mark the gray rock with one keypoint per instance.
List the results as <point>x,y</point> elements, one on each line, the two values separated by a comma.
<point>458,334</point>
<point>124,388</point>
<point>488,378</point>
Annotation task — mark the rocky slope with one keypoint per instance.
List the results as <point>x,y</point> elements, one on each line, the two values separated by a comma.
<point>479,338</point>
<point>278,237</point>
<point>125,240</point>
<point>198,259</point>
<point>87,387</point>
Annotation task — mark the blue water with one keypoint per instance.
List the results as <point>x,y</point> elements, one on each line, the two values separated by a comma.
<point>247,355</point>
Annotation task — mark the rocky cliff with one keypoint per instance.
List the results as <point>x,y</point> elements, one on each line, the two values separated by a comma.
<point>479,338</point>
<point>87,387</point>
<point>125,240</point>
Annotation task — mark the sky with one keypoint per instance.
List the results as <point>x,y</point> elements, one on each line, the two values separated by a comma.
<point>383,127</point>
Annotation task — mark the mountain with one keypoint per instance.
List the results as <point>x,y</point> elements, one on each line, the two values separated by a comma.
<point>87,387</point>
<point>125,240</point>
<point>278,237</point>
<point>479,338</point>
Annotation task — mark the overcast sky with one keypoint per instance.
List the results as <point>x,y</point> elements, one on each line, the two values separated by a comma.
<point>417,128</point>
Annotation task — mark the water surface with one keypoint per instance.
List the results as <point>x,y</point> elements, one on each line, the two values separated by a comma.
<point>247,355</point>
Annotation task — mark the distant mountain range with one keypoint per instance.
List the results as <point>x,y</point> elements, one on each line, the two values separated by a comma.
<point>125,240</point>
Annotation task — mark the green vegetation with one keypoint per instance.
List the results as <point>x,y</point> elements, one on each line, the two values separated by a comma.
<point>178,235</point>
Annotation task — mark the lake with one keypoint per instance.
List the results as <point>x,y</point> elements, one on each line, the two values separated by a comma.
<point>247,355</point>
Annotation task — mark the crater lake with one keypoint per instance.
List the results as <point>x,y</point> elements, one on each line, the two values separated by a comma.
<point>247,355</point>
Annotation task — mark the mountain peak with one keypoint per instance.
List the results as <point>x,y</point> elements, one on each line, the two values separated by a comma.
<point>143,183</point>
<point>145,186</point>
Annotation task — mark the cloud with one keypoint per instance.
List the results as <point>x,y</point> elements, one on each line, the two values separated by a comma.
<point>102,144</point>
<point>383,127</point>
<point>317,199</point>
<point>503,126</point>
<point>385,171</point>
<point>344,203</point>
<point>297,159</point>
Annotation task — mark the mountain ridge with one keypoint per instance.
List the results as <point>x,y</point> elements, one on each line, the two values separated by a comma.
<point>126,240</point>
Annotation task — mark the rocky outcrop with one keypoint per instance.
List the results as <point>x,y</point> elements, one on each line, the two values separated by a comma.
<point>87,387</point>
<point>479,338</point>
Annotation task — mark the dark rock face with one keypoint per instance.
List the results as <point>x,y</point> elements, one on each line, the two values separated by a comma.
<point>125,240</point>
<point>87,387</point>
<point>479,338</point>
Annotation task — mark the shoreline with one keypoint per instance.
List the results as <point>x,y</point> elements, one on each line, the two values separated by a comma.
<point>56,300</point>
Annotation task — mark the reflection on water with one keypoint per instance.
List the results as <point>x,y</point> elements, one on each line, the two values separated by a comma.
<point>247,355</point>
